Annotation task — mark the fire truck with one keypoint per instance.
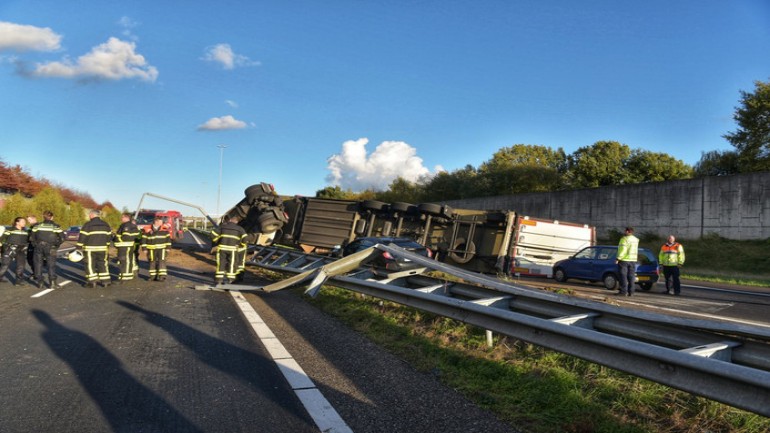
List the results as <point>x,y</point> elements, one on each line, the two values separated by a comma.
<point>172,220</point>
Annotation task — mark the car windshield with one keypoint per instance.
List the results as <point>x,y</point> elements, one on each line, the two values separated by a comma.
<point>145,218</point>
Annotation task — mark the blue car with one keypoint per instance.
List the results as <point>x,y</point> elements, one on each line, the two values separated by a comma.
<point>597,263</point>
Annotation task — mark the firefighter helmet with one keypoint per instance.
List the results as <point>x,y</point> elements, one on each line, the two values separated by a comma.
<point>75,256</point>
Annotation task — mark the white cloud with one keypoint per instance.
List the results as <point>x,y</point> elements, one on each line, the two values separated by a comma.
<point>231,103</point>
<point>19,37</point>
<point>128,25</point>
<point>222,123</point>
<point>224,55</point>
<point>112,60</point>
<point>352,169</point>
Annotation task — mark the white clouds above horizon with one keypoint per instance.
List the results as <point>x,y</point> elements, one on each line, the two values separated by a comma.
<point>20,37</point>
<point>225,56</point>
<point>112,60</point>
<point>353,169</point>
<point>222,123</point>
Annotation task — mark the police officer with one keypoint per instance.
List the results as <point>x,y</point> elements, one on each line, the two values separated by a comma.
<point>46,237</point>
<point>15,242</point>
<point>156,239</point>
<point>628,250</point>
<point>94,240</point>
<point>125,240</point>
<point>671,257</point>
<point>228,238</point>
<point>31,223</point>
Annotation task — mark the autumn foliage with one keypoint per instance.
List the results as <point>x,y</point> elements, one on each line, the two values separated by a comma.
<point>15,179</point>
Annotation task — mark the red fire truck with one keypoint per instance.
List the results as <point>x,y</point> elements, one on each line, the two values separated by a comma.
<point>172,220</point>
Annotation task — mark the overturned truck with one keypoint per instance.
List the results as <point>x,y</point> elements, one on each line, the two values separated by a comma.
<point>497,241</point>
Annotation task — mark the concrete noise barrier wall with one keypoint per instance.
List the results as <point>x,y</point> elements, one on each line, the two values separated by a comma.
<point>734,207</point>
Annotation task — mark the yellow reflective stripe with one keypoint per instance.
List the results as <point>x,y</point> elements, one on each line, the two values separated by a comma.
<point>95,233</point>
<point>95,248</point>
<point>124,244</point>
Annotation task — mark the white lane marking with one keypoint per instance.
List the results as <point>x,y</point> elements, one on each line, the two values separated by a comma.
<point>44,292</point>
<point>708,316</point>
<point>325,417</point>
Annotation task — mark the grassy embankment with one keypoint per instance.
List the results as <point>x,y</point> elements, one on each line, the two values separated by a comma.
<point>538,390</point>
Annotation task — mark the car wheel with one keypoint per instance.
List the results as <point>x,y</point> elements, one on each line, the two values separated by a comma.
<point>610,281</point>
<point>559,275</point>
<point>645,286</point>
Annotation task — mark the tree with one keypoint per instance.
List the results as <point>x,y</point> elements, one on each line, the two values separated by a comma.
<point>15,206</point>
<point>523,168</point>
<point>334,192</point>
<point>752,138</point>
<point>600,164</point>
<point>646,166</point>
<point>717,163</point>
<point>401,190</point>
<point>460,183</point>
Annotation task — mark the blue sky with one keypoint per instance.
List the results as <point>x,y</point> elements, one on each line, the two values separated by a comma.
<point>117,98</point>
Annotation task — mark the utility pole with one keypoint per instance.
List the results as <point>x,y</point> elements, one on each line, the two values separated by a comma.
<point>222,148</point>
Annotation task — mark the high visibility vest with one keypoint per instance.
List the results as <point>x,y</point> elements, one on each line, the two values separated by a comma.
<point>628,248</point>
<point>671,255</point>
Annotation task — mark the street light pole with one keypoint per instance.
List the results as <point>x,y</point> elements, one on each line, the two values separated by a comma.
<point>222,148</point>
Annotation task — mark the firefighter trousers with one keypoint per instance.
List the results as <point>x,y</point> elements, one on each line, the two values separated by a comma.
<point>45,257</point>
<point>157,260</point>
<point>126,263</point>
<point>227,265</point>
<point>96,266</point>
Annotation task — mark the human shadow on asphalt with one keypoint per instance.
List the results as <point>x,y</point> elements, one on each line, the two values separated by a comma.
<point>125,402</point>
<point>245,366</point>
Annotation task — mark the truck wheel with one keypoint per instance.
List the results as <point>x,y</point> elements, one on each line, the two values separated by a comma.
<point>610,281</point>
<point>373,205</point>
<point>400,206</point>
<point>268,223</point>
<point>255,192</point>
<point>559,275</point>
<point>465,253</point>
<point>645,286</point>
<point>430,208</point>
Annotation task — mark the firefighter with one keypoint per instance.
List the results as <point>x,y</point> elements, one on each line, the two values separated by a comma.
<point>671,257</point>
<point>240,260</point>
<point>15,242</point>
<point>46,237</point>
<point>156,240</point>
<point>94,240</point>
<point>124,241</point>
<point>227,239</point>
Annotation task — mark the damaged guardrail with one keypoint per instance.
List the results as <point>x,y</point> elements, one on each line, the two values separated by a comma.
<point>726,362</point>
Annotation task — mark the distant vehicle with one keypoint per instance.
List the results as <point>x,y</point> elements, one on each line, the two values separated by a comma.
<point>172,220</point>
<point>386,261</point>
<point>597,263</point>
<point>72,233</point>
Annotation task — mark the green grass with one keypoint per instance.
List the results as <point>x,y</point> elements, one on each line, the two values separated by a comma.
<point>534,389</point>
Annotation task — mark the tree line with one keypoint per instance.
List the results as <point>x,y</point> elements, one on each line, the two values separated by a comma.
<point>525,168</point>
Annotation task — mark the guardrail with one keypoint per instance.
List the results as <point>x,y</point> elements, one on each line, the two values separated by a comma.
<point>726,362</point>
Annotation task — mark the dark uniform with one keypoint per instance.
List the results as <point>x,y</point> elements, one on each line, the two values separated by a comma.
<point>126,237</point>
<point>228,239</point>
<point>46,237</point>
<point>15,243</point>
<point>156,240</point>
<point>95,237</point>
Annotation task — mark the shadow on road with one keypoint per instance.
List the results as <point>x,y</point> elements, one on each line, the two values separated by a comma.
<point>125,402</point>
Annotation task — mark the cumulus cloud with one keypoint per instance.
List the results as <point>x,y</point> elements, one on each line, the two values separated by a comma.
<point>19,37</point>
<point>353,169</point>
<point>222,123</point>
<point>112,60</point>
<point>225,56</point>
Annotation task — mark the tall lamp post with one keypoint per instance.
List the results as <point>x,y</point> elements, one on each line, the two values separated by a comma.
<point>222,148</point>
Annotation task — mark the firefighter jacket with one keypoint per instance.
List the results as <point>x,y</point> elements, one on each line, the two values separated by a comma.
<point>46,233</point>
<point>671,254</point>
<point>126,235</point>
<point>229,237</point>
<point>628,248</point>
<point>95,235</point>
<point>15,237</point>
<point>156,238</point>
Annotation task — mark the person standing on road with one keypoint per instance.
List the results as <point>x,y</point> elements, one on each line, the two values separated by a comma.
<point>227,240</point>
<point>671,257</point>
<point>15,242</point>
<point>628,250</point>
<point>94,240</point>
<point>156,239</point>
<point>125,240</point>
<point>46,238</point>
<point>31,223</point>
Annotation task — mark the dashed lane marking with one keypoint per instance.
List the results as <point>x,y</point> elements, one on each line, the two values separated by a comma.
<point>47,291</point>
<point>324,415</point>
